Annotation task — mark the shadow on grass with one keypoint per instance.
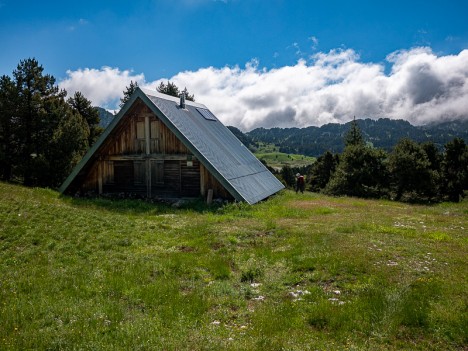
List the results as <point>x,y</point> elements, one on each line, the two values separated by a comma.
<point>143,206</point>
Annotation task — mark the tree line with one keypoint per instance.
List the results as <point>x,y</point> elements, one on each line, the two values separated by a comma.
<point>411,171</point>
<point>42,133</point>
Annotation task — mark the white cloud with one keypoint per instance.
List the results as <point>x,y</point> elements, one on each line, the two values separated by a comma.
<point>334,87</point>
<point>329,87</point>
<point>103,87</point>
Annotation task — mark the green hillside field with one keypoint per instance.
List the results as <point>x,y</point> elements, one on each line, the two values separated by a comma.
<point>278,160</point>
<point>295,272</point>
<point>275,159</point>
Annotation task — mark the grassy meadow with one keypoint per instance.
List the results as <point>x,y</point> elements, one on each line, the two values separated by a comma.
<point>271,155</point>
<point>296,272</point>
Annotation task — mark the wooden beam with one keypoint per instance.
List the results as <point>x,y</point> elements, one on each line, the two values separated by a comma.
<point>157,157</point>
<point>148,152</point>
<point>147,134</point>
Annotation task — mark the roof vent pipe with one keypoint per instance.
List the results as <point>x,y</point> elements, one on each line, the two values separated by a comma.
<point>182,100</point>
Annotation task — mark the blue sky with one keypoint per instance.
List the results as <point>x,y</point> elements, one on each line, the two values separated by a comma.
<point>156,39</point>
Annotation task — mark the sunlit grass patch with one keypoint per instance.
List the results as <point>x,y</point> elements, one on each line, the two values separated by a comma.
<point>440,236</point>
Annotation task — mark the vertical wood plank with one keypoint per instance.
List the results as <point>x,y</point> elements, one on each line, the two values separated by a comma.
<point>147,134</point>
<point>148,177</point>
<point>99,177</point>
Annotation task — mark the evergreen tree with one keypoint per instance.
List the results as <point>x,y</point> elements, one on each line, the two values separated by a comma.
<point>68,144</point>
<point>410,170</point>
<point>173,90</point>
<point>39,115</point>
<point>435,158</point>
<point>8,142</point>
<point>321,171</point>
<point>361,172</point>
<point>354,135</point>
<point>90,114</point>
<point>128,92</point>
<point>455,169</point>
<point>288,177</point>
<point>33,123</point>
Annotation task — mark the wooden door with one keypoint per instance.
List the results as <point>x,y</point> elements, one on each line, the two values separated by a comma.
<point>157,173</point>
<point>123,174</point>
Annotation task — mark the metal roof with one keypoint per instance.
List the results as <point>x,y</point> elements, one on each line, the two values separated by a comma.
<point>231,163</point>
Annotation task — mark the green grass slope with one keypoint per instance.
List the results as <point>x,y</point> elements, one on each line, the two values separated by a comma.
<point>304,272</point>
<point>271,155</point>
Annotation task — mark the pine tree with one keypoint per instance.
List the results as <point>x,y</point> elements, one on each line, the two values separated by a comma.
<point>68,144</point>
<point>361,170</point>
<point>8,142</point>
<point>455,169</point>
<point>33,123</point>
<point>173,90</point>
<point>321,171</point>
<point>288,177</point>
<point>128,92</point>
<point>90,114</point>
<point>410,171</point>
<point>354,135</point>
<point>40,113</point>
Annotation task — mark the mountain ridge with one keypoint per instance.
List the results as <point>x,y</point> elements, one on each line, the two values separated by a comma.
<point>381,133</point>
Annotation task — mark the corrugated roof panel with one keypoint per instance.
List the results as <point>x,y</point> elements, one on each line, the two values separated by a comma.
<point>258,186</point>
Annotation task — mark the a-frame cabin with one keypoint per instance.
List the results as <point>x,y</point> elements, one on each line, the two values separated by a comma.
<point>166,147</point>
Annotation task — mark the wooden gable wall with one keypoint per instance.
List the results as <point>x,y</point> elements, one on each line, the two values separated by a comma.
<point>143,156</point>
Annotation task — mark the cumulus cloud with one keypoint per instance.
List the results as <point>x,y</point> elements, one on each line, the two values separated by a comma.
<point>103,87</point>
<point>420,87</point>
<point>335,86</point>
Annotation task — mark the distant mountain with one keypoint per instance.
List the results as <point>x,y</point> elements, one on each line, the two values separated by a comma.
<point>382,133</point>
<point>105,117</point>
<point>244,138</point>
